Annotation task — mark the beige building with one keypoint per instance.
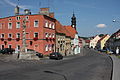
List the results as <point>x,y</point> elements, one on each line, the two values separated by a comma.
<point>93,42</point>
<point>101,43</point>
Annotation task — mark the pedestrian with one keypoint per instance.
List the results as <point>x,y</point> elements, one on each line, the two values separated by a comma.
<point>117,51</point>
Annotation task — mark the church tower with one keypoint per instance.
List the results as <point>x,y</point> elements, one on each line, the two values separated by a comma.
<point>73,21</point>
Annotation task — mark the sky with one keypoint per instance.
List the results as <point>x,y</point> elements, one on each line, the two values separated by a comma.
<point>93,16</point>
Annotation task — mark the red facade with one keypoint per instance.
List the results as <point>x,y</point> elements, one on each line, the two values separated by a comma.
<point>40,32</point>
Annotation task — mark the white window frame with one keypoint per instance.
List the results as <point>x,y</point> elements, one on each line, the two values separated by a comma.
<point>9,46</point>
<point>18,18</point>
<point>53,26</point>
<point>37,33</point>
<point>46,23</point>
<point>46,35</point>
<point>50,47</point>
<point>46,48</point>
<point>2,35</point>
<point>10,26</point>
<point>53,35</point>
<point>35,23</point>
<point>9,35</point>
<point>10,19</point>
<point>50,25</point>
<point>2,45</point>
<point>26,17</point>
<point>17,25</point>
<point>50,35</point>
<point>17,35</point>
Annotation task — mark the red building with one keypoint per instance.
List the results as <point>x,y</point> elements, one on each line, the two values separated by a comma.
<point>40,32</point>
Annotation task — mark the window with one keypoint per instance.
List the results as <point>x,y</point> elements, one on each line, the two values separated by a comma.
<point>50,35</point>
<point>18,18</point>
<point>53,35</point>
<point>27,17</point>
<point>50,47</point>
<point>9,35</point>
<point>9,25</point>
<point>17,24</point>
<point>53,26</point>
<point>46,23</point>
<point>18,35</point>
<point>2,35</point>
<point>9,46</point>
<point>36,34</point>
<point>46,34</point>
<point>35,23</point>
<point>46,47</point>
<point>2,46</point>
<point>50,26</point>
<point>9,19</point>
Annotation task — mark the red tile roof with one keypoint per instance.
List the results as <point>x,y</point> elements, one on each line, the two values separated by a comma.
<point>59,27</point>
<point>71,30</point>
<point>67,30</point>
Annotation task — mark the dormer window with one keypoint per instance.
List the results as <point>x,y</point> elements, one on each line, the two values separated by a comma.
<point>46,23</point>
<point>18,18</point>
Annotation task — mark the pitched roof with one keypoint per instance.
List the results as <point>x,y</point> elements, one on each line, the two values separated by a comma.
<point>71,30</point>
<point>59,27</point>
<point>102,38</point>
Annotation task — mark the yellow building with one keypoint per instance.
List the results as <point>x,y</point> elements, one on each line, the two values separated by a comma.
<point>102,41</point>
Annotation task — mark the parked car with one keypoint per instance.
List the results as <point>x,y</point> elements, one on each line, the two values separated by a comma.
<point>40,55</point>
<point>55,55</point>
<point>7,51</point>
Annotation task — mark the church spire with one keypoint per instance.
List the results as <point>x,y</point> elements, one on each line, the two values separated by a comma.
<point>73,21</point>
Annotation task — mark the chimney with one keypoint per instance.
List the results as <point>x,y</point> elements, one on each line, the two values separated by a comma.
<point>44,11</point>
<point>51,15</point>
<point>16,10</point>
<point>27,12</point>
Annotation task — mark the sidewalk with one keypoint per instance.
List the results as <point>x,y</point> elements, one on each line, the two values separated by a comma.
<point>116,68</point>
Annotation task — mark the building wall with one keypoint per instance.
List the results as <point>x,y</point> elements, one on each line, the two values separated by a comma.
<point>39,44</point>
<point>60,43</point>
<point>94,41</point>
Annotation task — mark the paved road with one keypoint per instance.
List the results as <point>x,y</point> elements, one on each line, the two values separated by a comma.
<point>93,66</point>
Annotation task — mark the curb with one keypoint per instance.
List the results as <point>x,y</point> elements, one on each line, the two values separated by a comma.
<point>112,68</point>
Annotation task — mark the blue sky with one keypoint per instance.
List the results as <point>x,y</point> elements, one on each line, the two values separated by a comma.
<point>93,16</point>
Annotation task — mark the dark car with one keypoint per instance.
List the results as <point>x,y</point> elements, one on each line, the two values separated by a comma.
<point>40,55</point>
<point>56,55</point>
<point>7,51</point>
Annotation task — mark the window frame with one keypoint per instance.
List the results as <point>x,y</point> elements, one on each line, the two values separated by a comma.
<point>10,26</point>
<point>17,25</point>
<point>35,23</point>
<point>35,35</point>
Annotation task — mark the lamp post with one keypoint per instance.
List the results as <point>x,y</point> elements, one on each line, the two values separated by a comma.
<point>115,37</point>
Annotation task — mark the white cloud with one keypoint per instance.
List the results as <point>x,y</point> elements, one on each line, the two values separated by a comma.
<point>14,4</point>
<point>101,25</point>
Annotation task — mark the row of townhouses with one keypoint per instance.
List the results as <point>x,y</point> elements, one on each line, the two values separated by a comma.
<point>40,32</point>
<point>103,42</point>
